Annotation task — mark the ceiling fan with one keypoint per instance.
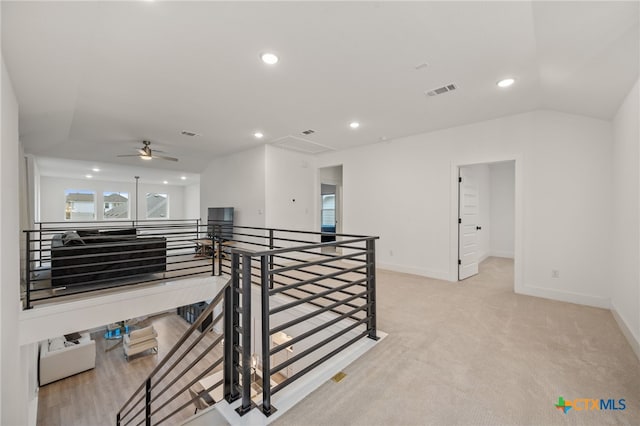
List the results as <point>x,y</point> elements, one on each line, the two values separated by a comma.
<point>146,154</point>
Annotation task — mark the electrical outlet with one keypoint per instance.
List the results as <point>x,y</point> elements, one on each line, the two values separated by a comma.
<point>555,273</point>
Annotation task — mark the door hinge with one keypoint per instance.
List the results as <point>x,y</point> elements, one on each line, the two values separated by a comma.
<point>459,220</point>
<point>460,179</point>
<point>459,262</point>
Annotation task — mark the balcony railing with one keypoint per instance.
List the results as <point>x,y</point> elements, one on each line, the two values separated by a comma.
<point>288,293</point>
<point>65,259</point>
<point>167,394</point>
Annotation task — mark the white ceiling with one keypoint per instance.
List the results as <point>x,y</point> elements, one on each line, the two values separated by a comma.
<point>93,79</point>
<point>79,169</point>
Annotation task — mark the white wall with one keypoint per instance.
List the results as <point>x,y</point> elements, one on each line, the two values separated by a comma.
<point>625,273</point>
<point>290,176</point>
<point>236,180</point>
<point>52,196</point>
<point>192,201</point>
<point>14,397</point>
<point>502,176</point>
<point>401,191</point>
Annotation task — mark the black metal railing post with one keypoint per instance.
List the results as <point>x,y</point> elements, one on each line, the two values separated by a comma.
<point>231,335</point>
<point>231,322</point>
<point>266,408</point>
<point>218,233</point>
<point>147,402</point>
<point>27,270</point>
<point>118,419</point>
<point>371,288</point>
<point>247,404</point>
<point>213,253</point>
<point>270,257</point>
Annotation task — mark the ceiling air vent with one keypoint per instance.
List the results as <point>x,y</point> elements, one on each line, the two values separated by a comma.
<point>295,143</point>
<point>188,133</point>
<point>308,132</point>
<point>441,90</point>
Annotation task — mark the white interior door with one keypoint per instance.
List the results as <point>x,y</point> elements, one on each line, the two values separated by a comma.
<point>467,224</point>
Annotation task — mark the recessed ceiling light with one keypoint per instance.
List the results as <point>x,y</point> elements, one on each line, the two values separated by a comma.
<point>88,176</point>
<point>354,125</point>
<point>183,177</point>
<point>165,182</point>
<point>506,82</point>
<point>269,58</point>
<point>95,169</point>
<point>258,135</point>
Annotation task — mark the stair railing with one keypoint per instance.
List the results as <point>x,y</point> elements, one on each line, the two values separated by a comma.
<point>165,392</point>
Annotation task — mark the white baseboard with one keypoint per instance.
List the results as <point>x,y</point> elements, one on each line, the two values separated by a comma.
<point>633,340</point>
<point>438,275</point>
<point>565,296</point>
<point>501,253</point>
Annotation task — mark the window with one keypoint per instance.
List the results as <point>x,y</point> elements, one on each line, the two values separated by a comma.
<point>157,206</point>
<point>328,214</point>
<point>116,205</point>
<point>79,205</point>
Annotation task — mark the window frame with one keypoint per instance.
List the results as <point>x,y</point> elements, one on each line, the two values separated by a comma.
<point>69,212</point>
<point>107,193</point>
<point>146,199</point>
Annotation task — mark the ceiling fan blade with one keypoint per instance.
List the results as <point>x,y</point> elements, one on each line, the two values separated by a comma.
<point>133,155</point>
<point>162,157</point>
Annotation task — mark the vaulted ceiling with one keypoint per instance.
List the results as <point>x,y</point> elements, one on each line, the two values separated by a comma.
<point>94,79</point>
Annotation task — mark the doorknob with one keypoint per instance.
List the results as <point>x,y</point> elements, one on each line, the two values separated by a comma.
<point>478,228</point>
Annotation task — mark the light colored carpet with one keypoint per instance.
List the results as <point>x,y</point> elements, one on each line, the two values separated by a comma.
<point>475,353</point>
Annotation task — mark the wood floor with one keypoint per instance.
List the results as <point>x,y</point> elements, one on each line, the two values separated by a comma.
<point>95,396</point>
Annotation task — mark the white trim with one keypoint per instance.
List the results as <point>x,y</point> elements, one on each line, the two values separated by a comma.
<point>565,296</point>
<point>501,253</point>
<point>633,340</point>
<point>438,275</point>
<point>518,285</point>
<point>57,319</point>
<point>32,415</point>
<point>290,395</point>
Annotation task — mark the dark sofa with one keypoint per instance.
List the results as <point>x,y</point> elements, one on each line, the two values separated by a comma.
<point>92,256</point>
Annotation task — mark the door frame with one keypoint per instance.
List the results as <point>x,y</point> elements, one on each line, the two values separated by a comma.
<point>339,197</point>
<point>518,258</point>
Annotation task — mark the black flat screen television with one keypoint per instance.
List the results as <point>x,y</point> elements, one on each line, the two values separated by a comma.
<point>220,222</point>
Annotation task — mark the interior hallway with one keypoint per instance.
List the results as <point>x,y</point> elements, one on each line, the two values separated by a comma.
<point>476,353</point>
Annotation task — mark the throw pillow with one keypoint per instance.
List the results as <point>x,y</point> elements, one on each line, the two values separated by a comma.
<point>56,344</point>
<point>71,238</point>
<point>90,236</point>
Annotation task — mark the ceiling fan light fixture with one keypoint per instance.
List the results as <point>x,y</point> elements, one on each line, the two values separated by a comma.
<point>145,157</point>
